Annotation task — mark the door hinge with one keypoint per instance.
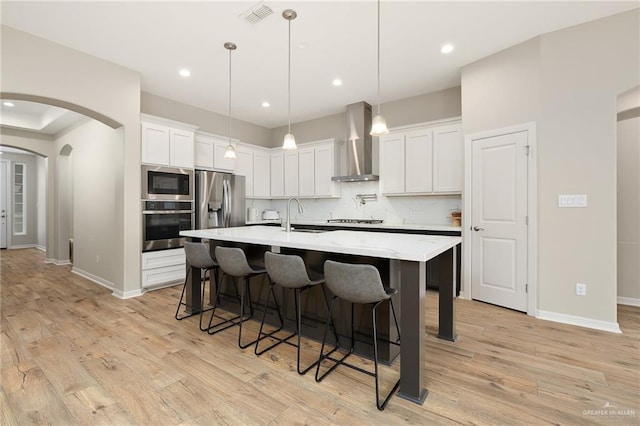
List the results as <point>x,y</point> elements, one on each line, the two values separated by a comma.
<point>526,288</point>
<point>526,220</point>
<point>527,148</point>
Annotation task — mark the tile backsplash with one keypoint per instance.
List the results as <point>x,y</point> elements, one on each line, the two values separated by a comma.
<point>422,209</point>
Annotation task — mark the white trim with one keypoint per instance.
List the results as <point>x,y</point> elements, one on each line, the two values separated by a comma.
<point>163,285</point>
<point>629,301</point>
<point>612,327</point>
<point>96,279</point>
<point>41,248</point>
<point>147,118</point>
<point>126,294</point>
<point>58,262</point>
<point>463,295</point>
<point>49,260</point>
<point>532,209</point>
<point>442,121</point>
<point>22,246</point>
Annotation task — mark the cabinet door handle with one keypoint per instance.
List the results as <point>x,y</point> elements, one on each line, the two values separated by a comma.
<point>476,228</point>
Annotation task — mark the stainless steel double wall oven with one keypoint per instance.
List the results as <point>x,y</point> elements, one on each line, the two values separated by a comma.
<point>167,206</point>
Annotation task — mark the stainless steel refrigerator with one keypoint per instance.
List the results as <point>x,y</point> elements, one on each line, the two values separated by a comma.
<point>220,200</point>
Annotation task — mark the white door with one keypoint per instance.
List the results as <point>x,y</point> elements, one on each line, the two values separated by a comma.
<point>499,220</point>
<point>3,203</point>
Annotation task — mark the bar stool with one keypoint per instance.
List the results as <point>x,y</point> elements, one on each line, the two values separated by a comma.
<point>233,262</point>
<point>289,272</point>
<point>198,256</point>
<point>357,284</point>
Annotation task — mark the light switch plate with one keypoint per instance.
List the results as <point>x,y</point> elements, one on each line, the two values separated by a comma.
<point>572,200</point>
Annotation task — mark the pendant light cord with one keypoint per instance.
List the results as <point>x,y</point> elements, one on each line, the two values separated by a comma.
<point>378,57</point>
<point>229,97</point>
<point>289,78</point>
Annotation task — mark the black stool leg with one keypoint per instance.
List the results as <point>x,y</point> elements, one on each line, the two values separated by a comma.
<point>375,362</point>
<point>230,322</point>
<point>262,335</point>
<point>181,303</point>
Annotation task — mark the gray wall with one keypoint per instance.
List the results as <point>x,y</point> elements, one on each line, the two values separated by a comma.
<point>418,109</point>
<point>207,121</point>
<point>567,82</point>
<point>34,68</point>
<point>629,197</point>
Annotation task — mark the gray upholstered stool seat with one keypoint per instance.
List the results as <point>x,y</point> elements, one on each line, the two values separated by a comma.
<point>289,272</point>
<point>357,283</point>
<point>233,262</point>
<point>197,256</point>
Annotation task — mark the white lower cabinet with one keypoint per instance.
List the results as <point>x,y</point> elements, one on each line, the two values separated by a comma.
<point>163,267</point>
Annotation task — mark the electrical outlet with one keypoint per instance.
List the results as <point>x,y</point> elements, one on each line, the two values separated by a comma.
<point>581,289</point>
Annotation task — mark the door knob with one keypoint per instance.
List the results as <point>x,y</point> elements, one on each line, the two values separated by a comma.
<point>476,228</point>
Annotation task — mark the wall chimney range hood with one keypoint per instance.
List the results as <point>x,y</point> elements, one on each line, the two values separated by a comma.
<point>359,145</point>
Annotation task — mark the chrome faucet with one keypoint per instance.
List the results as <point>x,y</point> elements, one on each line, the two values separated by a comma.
<point>300,210</point>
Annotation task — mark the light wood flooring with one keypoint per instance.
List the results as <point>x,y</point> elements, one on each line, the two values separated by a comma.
<point>74,354</point>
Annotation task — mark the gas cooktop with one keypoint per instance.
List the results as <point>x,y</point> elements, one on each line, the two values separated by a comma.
<point>367,221</point>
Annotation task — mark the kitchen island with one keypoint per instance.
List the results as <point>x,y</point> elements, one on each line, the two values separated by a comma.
<point>407,256</point>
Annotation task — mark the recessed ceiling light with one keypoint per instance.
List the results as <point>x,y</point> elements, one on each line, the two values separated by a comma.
<point>185,72</point>
<point>447,48</point>
<point>8,104</point>
<point>337,82</point>
<point>266,104</point>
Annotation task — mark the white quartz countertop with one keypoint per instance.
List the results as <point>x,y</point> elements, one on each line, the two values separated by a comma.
<point>384,225</point>
<point>386,245</point>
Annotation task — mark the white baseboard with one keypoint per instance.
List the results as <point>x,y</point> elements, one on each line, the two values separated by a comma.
<point>612,327</point>
<point>49,260</point>
<point>126,294</point>
<point>23,246</point>
<point>462,295</point>
<point>59,262</point>
<point>628,301</point>
<point>41,248</point>
<point>96,279</point>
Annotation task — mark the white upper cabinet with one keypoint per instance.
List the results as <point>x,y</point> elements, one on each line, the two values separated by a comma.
<point>306,172</point>
<point>392,164</point>
<point>326,165</point>
<point>277,174</point>
<point>418,161</point>
<point>166,142</point>
<point>203,152</point>
<point>447,158</point>
<point>261,174</point>
<point>219,162</point>
<point>423,160</point>
<point>244,167</point>
<point>291,173</point>
<point>181,148</point>
<point>155,144</point>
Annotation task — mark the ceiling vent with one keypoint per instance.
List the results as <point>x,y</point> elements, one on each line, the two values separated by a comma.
<point>256,13</point>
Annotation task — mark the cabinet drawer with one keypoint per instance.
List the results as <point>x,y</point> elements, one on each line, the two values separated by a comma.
<point>163,275</point>
<point>158,259</point>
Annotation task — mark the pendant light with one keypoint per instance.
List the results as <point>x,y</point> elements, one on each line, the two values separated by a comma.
<point>230,152</point>
<point>379,124</point>
<point>289,141</point>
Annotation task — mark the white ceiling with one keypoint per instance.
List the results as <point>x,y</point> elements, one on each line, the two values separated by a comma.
<point>37,117</point>
<point>329,40</point>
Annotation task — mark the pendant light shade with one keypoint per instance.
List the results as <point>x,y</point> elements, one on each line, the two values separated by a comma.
<point>230,152</point>
<point>289,140</point>
<point>379,124</point>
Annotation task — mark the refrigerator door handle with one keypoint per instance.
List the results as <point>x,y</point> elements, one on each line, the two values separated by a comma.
<point>227,203</point>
